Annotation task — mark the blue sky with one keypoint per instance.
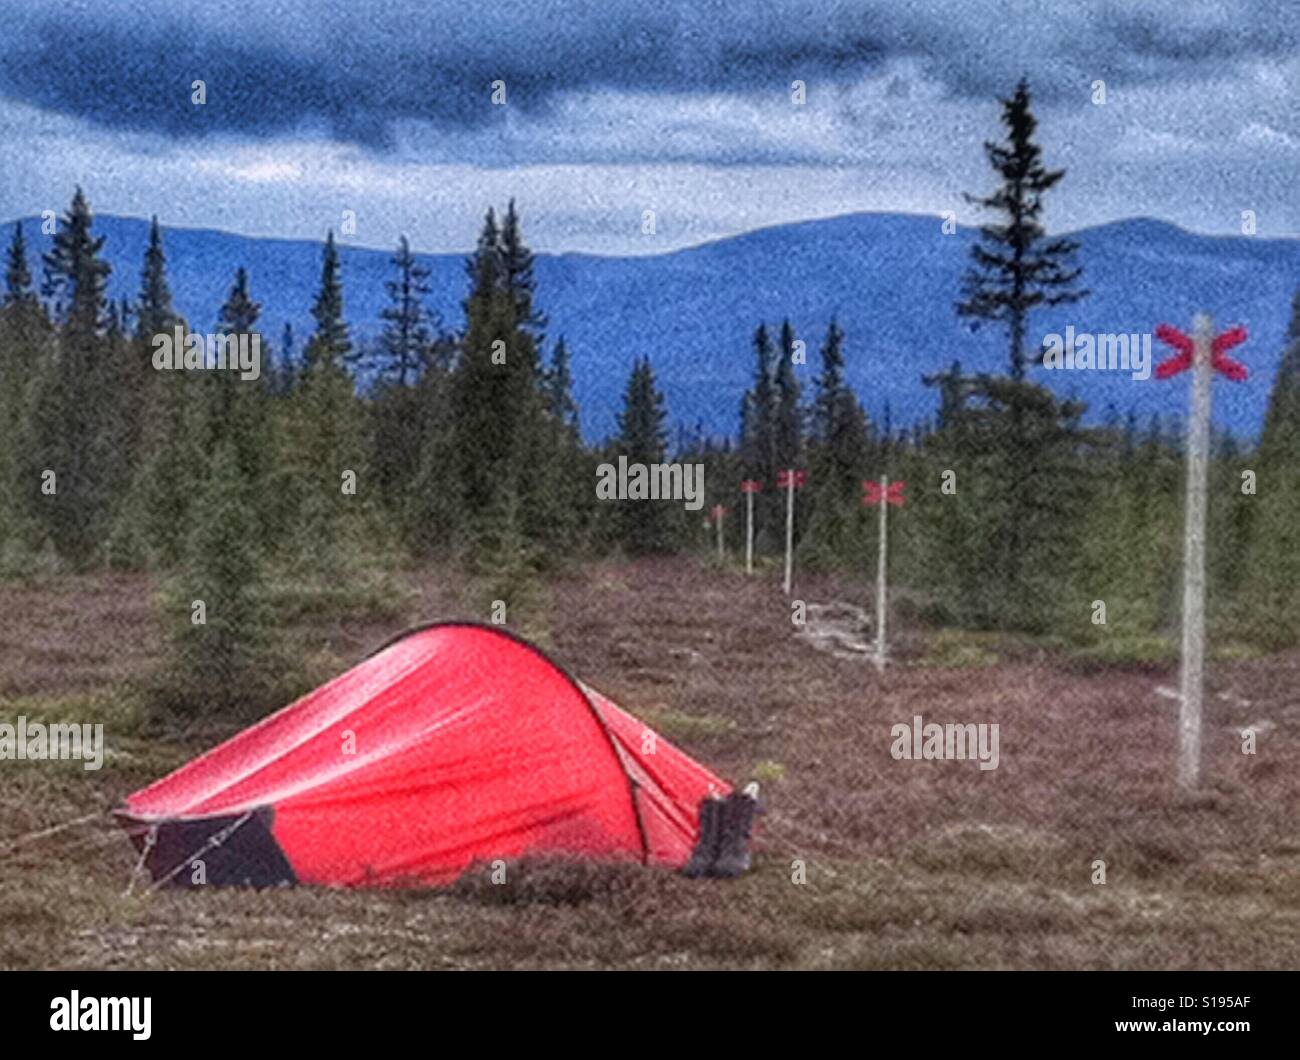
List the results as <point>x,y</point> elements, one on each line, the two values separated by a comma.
<point>613,108</point>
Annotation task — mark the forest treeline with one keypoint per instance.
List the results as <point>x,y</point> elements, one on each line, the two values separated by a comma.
<point>345,459</point>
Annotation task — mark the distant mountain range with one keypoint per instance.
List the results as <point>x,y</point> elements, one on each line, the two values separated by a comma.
<point>891,280</point>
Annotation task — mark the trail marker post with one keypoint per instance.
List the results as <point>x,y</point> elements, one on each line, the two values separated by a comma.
<point>788,480</point>
<point>1205,354</point>
<point>717,512</point>
<point>749,487</point>
<point>883,493</point>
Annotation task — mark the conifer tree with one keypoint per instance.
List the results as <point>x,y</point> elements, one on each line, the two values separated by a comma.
<point>788,423</point>
<point>330,345</point>
<point>24,354</point>
<point>407,335</point>
<point>839,460</point>
<point>1272,567</point>
<point>1018,268</point>
<point>559,388</point>
<point>219,660</point>
<point>323,474</point>
<point>79,397</point>
<point>643,439</point>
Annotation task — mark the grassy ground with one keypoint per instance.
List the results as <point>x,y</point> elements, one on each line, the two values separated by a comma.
<point>907,864</point>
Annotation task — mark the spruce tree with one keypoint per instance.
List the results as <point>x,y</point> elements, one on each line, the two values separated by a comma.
<point>788,424</point>
<point>155,312</point>
<point>758,435</point>
<point>24,353</point>
<point>839,460</point>
<point>643,439</point>
<point>407,336</point>
<point>517,276</point>
<point>79,398</point>
<point>1018,268</point>
<point>219,662</point>
<point>1271,598</point>
<point>559,388</point>
<point>330,345</point>
<point>497,400</point>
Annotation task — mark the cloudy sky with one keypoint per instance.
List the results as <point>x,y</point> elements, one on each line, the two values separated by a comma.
<point>615,107</point>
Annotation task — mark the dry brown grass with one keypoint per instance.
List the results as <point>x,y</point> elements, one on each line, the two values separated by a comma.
<point>908,865</point>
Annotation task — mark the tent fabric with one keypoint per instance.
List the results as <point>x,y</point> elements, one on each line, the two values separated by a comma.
<point>455,744</point>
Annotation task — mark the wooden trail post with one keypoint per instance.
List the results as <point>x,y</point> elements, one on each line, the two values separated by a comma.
<point>883,493</point>
<point>749,487</point>
<point>1204,354</point>
<point>788,480</point>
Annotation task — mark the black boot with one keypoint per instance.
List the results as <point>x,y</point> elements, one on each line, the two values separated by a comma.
<point>737,821</point>
<point>706,847</point>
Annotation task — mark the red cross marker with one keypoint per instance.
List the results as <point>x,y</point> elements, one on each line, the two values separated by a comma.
<point>750,485</point>
<point>1219,361</point>
<point>783,479</point>
<point>875,493</point>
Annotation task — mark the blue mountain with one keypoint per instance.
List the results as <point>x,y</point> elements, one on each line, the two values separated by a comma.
<point>890,279</point>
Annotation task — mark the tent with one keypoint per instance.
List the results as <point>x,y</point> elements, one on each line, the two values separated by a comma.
<point>452,745</point>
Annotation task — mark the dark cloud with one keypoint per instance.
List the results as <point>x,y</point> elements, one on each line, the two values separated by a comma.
<point>353,70</point>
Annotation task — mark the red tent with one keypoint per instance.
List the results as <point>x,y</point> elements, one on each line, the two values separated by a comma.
<point>452,745</point>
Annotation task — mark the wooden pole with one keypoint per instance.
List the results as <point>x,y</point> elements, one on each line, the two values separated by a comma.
<point>749,532</point>
<point>881,567</point>
<point>1193,661</point>
<point>789,529</point>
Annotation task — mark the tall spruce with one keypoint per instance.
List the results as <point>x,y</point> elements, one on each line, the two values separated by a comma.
<point>407,336</point>
<point>559,388</point>
<point>155,313</point>
<point>330,345</point>
<point>1272,569</point>
<point>838,461</point>
<point>1018,268</point>
<point>789,414</point>
<point>76,415</point>
<point>322,441</point>
<point>643,439</point>
<point>24,347</point>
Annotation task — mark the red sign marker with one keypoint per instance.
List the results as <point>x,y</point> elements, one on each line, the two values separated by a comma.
<point>783,479</point>
<point>750,485</point>
<point>893,494</point>
<point>1182,360</point>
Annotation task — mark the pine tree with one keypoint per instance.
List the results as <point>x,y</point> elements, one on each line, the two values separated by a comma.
<point>286,366</point>
<point>18,276</point>
<point>24,352</point>
<point>1271,598</point>
<point>237,406</point>
<point>221,664</point>
<point>559,388</point>
<point>156,313</point>
<point>643,439</point>
<point>788,426</point>
<point>1017,267</point>
<point>79,399</point>
<point>498,406</point>
<point>330,346</point>
<point>406,338</point>
<point>517,276</point>
<point>839,461</point>
<point>322,447</point>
